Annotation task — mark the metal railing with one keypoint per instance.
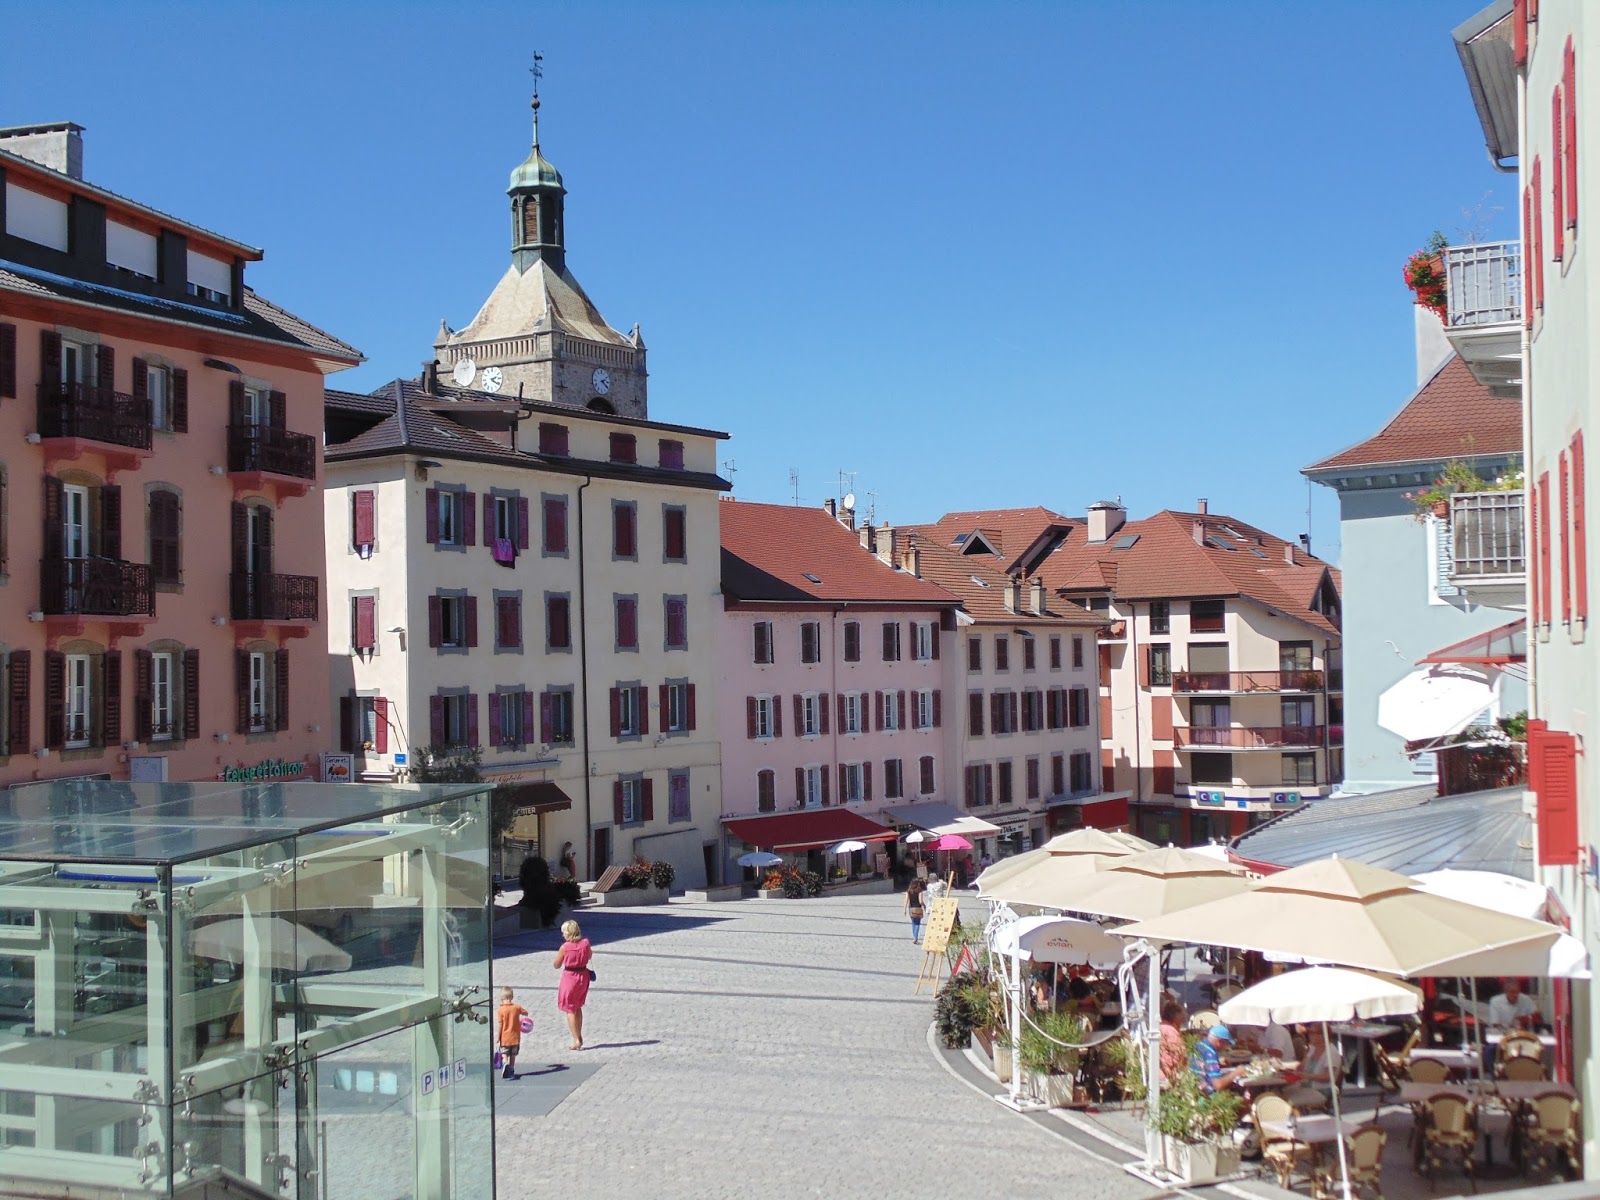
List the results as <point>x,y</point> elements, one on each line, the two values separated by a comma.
<point>81,410</point>
<point>263,448</point>
<point>1486,535</point>
<point>1484,282</point>
<point>1234,737</point>
<point>258,597</point>
<point>95,587</point>
<point>1240,682</point>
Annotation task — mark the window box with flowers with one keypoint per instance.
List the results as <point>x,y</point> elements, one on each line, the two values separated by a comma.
<point>1458,476</point>
<point>1425,276</point>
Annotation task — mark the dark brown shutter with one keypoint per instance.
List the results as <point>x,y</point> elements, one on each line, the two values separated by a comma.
<point>839,700</point>
<point>55,536</point>
<point>826,799</point>
<point>522,522</point>
<point>988,783</point>
<point>20,698</point>
<point>435,621</point>
<point>844,784</point>
<point>648,803</point>
<point>8,360</point>
<point>166,552</point>
<point>901,719</point>
<point>494,719</point>
<point>877,711</point>
<point>866,781</point>
<point>180,401</point>
<point>665,707</point>
<point>143,696</point>
<point>263,547</point>
<point>530,714</point>
<point>641,701</point>
<point>236,403</point>
<point>617,815</point>
<point>472,621</point>
<point>277,410</point>
<point>110,521</point>
<point>933,639</point>
<point>241,691</point>
<point>106,368</point>
<point>55,699</point>
<point>50,359</point>
<point>191,693</point>
<point>975,714</point>
<point>799,715</point>
<point>688,705</point>
<point>362,532</point>
<point>436,723</point>
<point>280,683</point>
<point>1011,712</point>
<point>430,516</point>
<point>469,520</point>
<point>240,527</point>
<point>547,717</point>
<point>799,787</point>
<point>110,730</point>
<point>141,379</point>
<point>888,641</point>
<point>616,712</point>
<point>348,741</point>
<point>380,733</point>
<point>822,712</point>
<point>488,520</point>
<point>937,705</point>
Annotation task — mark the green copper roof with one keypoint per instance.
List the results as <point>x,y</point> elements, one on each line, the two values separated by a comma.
<point>535,172</point>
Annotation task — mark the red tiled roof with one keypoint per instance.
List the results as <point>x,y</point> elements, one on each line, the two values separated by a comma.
<point>1011,531</point>
<point>961,574</point>
<point>769,549</point>
<point>806,830</point>
<point>1452,416</point>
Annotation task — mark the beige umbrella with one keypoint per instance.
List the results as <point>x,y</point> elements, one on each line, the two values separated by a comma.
<point>1150,884</point>
<point>1096,841</point>
<point>1064,855</point>
<point>1339,911</point>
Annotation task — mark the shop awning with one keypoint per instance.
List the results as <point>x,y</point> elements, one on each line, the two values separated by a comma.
<point>530,799</point>
<point>1505,646</point>
<point>941,819</point>
<point>808,829</point>
<point>1102,810</point>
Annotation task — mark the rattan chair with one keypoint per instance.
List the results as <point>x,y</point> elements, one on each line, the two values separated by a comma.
<point>1389,1069</point>
<point>1520,1069</point>
<point>1204,1020</point>
<point>1283,1155</point>
<point>1518,1044</point>
<point>1364,1154</point>
<point>1428,1070</point>
<point>1449,1126</point>
<point>1550,1136</point>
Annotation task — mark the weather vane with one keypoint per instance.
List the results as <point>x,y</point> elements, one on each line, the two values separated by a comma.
<point>537,71</point>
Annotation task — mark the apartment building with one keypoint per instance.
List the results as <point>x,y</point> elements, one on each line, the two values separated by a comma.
<point>832,682</point>
<point>159,423</point>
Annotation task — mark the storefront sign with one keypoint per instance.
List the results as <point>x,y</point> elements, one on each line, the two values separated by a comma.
<point>273,768</point>
<point>338,768</point>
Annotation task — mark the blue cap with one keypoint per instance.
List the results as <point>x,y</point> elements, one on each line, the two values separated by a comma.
<point>1221,1033</point>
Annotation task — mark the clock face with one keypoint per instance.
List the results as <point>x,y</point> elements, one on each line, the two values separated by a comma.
<point>602,380</point>
<point>491,379</point>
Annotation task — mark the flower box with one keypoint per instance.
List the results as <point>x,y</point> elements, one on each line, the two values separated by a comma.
<point>630,897</point>
<point>1201,1162</point>
<point>770,893</point>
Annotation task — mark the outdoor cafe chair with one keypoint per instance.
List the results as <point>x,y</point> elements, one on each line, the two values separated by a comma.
<point>1517,1045</point>
<point>1282,1154</point>
<point>1364,1156</point>
<point>1550,1135</point>
<point>1204,1020</point>
<point>1518,1069</point>
<point>1449,1125</point>
<point>1428,1070</point>
<point>1389,1069</point>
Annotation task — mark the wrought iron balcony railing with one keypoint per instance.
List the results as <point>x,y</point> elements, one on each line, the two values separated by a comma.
<point>103,587</point>
<point>264,448</point>
<point>259,597</point>
<point>81,410</point>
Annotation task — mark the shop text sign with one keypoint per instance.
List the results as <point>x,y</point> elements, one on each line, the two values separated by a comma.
<point>273,768</point>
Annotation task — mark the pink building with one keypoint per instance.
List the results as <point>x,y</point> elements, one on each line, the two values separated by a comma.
<point>158,422</point>
<point>831,706</point>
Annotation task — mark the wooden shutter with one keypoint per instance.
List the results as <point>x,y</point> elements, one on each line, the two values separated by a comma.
<point>143,695</point>
<point>522,522</point>
<point>237,414</point>
<point>627,543</point>
<point>751,719</point>
<point>55,699</point>
<point>180,400</point>
<point>938,696</point>
<point>472,719</point>
<point>1553,769</point>
<point>925,774</point>
<point>191,693</point>
<point>844,784</point>
<point>889,628</point>
<point>349,742</point>
<point>1144,669</point>
<point>866,781</point>
<point>55,539</point>
<point>489,530</point>
<point>997,711</point>
<point>1535,593</point>
<point>277,410</point>
<point>933,639</point>
<point>689,705</point>
<point>280,684</point>
<point>469,520</point>
<point>1569,86</point>
<point>380,724</point>
<point>166,554</point>
<point>240,533</point>
<point>1558,177</point>
<point>777,717</point>
<point>799,715</point>
<point>241,691</point>
<point>822,712</point>
<point>664,706</point>
<point>105,358</point>
<point>436,723</point>
<point>641,700</point>
<point>826,798</point>
<point>494,719</point>
<point>19,702</point>
<point>758,633</point>
<point>975,714</point>
<point>647,802</point>
<point>547,717</point>
<point>1519,33</point>
<point>435,621</point>
<point>50,360</point>
<point>555,525</point>
<point>563,621</point>
<point>1544,543</point>
<point>799,787</point>
<point>617,813</point>
<point>1563,483</point>
<point>1527,256</point>
<point>366,622</point>
<point>1580,548</point>
<point>362,519</point>
<point>877,712</point>
<point>110,521</point>
<point>141,379</point>
<point>472,621</point>
<point>430,516</point>
<point>530,716</point>
<point>1538,233</point>
<point>8,360</point>
<point>616,712</point>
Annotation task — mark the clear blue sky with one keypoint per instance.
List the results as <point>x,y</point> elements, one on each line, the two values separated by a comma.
<point>981,254</point>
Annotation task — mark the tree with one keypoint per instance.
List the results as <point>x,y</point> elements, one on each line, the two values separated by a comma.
<point>464,764</point>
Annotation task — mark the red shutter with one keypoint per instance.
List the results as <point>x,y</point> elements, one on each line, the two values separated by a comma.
<point>1535,594</point>
<point>362,524</point>
<point>241,691</point>
<point>1144,669</point>
<point>616,712</point>
<point>180,401</point>
<point>436,723</point>
<point>1538,233</point>
<point>8,360</point>
<point>1580,548</point>
<point>555,525</point>
<point>641,700</point>
<point>616,802</point>
<point>191,693</point>
<point>347,725</point>
<point>1555,781</point>
<point>472,719</point>
<point>55,699</point>
<point>648,803</point>
<point>380,721</point>
<point>547,718</point>
<point>822,712</point>
<point>1544,543</point>
<point>799,786</point>
<point>522,522</point>
<point>20,702</point>
<point>1569,81</point>
<point>110,521</point>
<point>435,621</point>
<point>143,696</point>
<point>937,704</point>
<point>431,515</point>
<point>688,704</point>
<point>472,621</point>
<point>750,722</point>
<point>110,698</point>
<point>494,718</point>
<point>1519,32</point>
<point>280,682</point>
<point>366,623</point>
<point>1558,177</point>
<point>1527,257</point>
<point>1562,483</point>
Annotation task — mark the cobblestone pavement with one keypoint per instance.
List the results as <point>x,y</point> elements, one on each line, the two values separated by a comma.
<point>743,1048</point>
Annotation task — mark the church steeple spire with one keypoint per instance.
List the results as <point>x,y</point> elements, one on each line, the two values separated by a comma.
<point>537,200</point>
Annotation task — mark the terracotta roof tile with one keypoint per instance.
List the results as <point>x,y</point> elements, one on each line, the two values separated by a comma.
<point>1450,416</point>
<point>982,588</point>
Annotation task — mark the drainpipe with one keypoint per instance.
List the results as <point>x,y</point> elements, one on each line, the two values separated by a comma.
<point>583,692</point>
<point>833,682</point>
<point>1133,650</point>
<point>1528,533</point>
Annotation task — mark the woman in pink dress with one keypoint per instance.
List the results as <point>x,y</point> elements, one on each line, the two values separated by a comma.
<point>572,960</point>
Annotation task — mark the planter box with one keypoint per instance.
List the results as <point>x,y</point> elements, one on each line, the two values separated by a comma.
<point>630,897</point>
<point>1055,1090</point>
<point>770,893</point>
<point>1002,1063</point>
<point>730,891</point>
<point>1201,1162</point>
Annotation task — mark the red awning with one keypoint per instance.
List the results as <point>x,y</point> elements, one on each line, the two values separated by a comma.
<point>806,830</point>
<point>1500,647</point>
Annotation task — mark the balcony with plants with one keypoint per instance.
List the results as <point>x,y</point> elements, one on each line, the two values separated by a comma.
<point>1476,291</point>
<point>1485,534</point>
<point>1244,683</point>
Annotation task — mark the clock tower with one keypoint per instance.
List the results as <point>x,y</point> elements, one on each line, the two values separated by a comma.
<point>538,335</point>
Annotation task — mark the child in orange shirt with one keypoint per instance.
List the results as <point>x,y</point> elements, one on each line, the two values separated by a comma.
<point>510,1017</point>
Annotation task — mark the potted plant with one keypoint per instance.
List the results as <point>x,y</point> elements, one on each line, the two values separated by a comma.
<point>953,1010</point>
<point>1049,1055</point>
<point>1197,1130</point>
<point>1425,276</point>
<point>1457,476</point>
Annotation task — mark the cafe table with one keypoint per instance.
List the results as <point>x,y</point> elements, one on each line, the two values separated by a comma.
<point>1316,1132</point>
<point>1362,1032</point>
<point>1456,1060</point>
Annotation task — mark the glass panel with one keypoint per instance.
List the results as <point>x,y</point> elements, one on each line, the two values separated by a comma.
<point>248,1130</point>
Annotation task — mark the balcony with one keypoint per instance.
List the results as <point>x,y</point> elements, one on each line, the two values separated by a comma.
<point>1484,314</point>
<point>263,598</point>
<point>263,458</point>
<point>1243,683</point>
<point>1234,737</point>
<point>78,417</point>
<point>95,587</point>
<point>1488,558</point>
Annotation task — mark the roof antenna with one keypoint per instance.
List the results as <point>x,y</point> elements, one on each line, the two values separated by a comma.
<point>537,71</point>
<point>794,484</point>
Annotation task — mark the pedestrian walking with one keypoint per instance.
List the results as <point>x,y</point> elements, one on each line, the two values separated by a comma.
<point>913,908</point>
<point>572,960</point>
<point>510,1017</point>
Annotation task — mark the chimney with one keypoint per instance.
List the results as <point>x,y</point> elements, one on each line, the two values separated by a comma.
<point>430,377</point>
<point>1036,597</point>
<point>831,508</point>
<point>1433,350</point>
<point>1288,553</point>
<point>1305,543</point>
<point>1105,518</point>
<point>913,560</point>
<point>869,542</point>
<point>888,545</point>
<point>847,517</point>
<point>1201,506</point>
<point>59,146</point>
<point>1199,533</point>
<point>1013,594</point>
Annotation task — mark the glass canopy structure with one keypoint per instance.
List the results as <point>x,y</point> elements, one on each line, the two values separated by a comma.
<point>275,989</point>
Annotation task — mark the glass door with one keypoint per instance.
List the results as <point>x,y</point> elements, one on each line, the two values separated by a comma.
<point>75,521</point>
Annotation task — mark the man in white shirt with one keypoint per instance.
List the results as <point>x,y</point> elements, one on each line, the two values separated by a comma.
<point>1512,1009</point>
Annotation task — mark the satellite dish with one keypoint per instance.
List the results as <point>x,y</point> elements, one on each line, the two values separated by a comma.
<point>849,499</point>
<point>464,371</point>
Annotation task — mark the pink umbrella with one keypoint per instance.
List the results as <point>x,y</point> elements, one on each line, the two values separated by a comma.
<point>952,841</point>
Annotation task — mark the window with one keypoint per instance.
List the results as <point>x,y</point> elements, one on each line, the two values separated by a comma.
<point>260,709</point>
<point>923,641</point>
<point>624,543</point>
<point>1298,712</point>
<point>78,695</point>
<point>1295,656</point>
<point>809,719</point>
<point>1005,793</point>
<point>766,791</point>
<point>893,719</point>
<point>1206,616</point>
<point>261,691</point>
<point>1160,662</point>
<point>158,389</point>
<point>626,612</point>
<point>1002,652</point>
<point>555,717</point>
<point>1211,768</point>
<point>166,541</point>
<point>163,710</point>
<point>762,717</point>
<point>363,521</point>
<point>852,789</point>
<point>1031,775</point>
<point>78,363</point>
<point>1077,652</point>
<point>677,706</point>
<point>1081,767</point>
<point>364,724</point>
<point>1210,714</point>
<point>927,714</point>
<point>974,655</point>
<point>363,624</point>
<point>1055,652</point>
<point>925,775</point>
<point>678,795</point>
<point>979,785</point>
<point>1029,650</point>
<point>449,517</point>
<point>454,719</point>
<point>1078,707</point>
<point>452,621</point>
<point>552,439</point>
<point>1058,775</point>
<point>674,533</point>
<point>670,454</point>
<point>507,718</point>
<point>1300,769</point>
<point>810,641</point>
<point>1160,616</point>
<point>813,781</point>
<point>675,617</point>
<point>893,782</point>
<point>850,712</point>
<point>761,634</point>
<point>628,714</point>
<point>1003,712</point>
<point>1099,604</point>
<point>557,621</point>
<point>975,714</point>
<point>507,517</point>
<point>555,526</point>
<point>891,641</point>
<point>852,641</point>
<point>1032,710</point>
<point>630,798</point>
<point>624,448</point>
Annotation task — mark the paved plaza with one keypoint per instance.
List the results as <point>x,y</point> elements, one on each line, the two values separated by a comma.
<point>761,1046</point>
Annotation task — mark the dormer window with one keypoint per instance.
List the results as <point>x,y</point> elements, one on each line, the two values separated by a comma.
<point>671,455</point>
<point>552,438</point>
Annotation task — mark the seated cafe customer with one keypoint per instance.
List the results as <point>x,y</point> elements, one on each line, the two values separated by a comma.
<point>1174,1054</point>
<point>1513,1008</point>
<point>1319,1073</point>
<point>1206,1062</point>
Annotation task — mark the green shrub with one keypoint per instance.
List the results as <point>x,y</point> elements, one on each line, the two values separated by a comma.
<point>953,1012</point>
<point>662,874</point>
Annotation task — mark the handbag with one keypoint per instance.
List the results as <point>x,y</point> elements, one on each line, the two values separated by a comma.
<point>590,970</point>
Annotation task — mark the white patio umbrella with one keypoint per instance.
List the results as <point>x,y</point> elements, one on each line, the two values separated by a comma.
<point>1323,995</point>
<point>287,946</point>
<point>1435,702</point>
<point>1492,889</point>
<point>759,858</point>
<point>920,835</point>
<point>847,846</point>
